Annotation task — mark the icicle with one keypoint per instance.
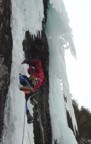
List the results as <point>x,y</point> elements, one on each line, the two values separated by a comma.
<point>38,34</point>
<point>57,76</point>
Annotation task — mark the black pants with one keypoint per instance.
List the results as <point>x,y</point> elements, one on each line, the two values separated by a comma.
<point>26,98</point>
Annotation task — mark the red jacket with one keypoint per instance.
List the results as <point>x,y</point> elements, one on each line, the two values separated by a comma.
<point>38,73</point>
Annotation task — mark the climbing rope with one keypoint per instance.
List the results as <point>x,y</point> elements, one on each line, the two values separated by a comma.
<point>24,121</point>
<point>23,127</point>
<point>29,138</point>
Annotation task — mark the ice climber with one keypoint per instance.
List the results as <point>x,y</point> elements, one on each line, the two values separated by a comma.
<point>36,73</point>
<point>35,80</point>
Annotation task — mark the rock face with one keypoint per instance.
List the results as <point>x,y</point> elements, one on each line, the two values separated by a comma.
<point>84,141</point>
<point>5,54</point>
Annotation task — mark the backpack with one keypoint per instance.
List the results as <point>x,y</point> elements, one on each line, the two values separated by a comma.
<point>24,80</point>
